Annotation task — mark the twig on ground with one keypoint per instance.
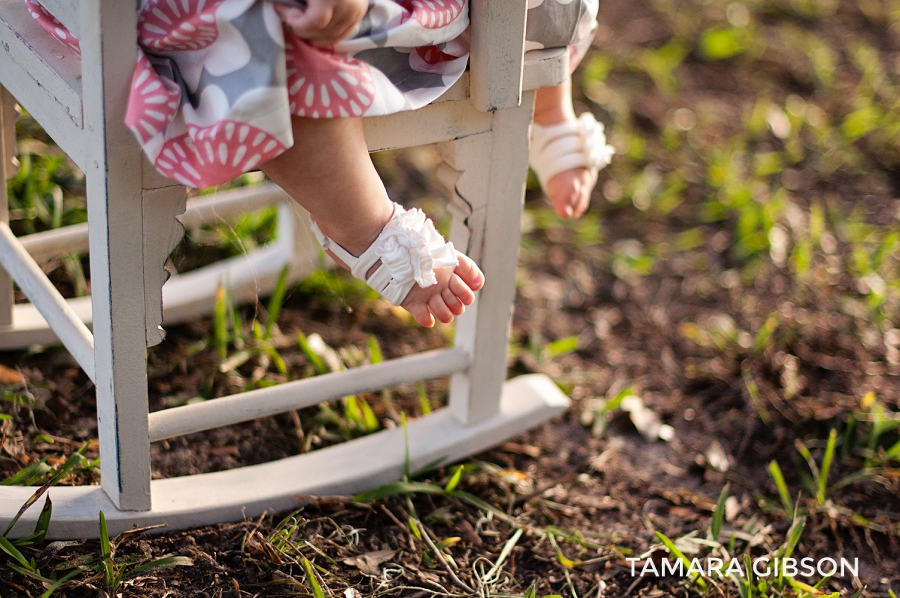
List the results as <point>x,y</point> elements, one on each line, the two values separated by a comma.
<point>437,553</point>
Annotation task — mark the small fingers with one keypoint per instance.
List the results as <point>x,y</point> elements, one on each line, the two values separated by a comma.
<point>323,22</point>
<point>306,22</point>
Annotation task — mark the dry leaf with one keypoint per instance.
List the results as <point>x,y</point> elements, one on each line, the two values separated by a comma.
<point>368,562</point>
<point>10,377</point>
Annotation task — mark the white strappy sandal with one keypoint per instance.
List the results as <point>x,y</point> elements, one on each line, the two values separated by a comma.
<point>409,249</point>
<point>568,145</point>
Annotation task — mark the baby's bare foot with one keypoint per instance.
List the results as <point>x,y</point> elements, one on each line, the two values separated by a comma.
<point>570,192</point>
<point>454,290</point>
<point>395,247</point>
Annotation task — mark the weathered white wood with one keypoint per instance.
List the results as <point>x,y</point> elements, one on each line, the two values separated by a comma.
<point>44,76</point>
<point>190,295</point>
<point>497,47</point>
<point>162,233</point>
<point>254,404</point>
<point>25,271</point>
<point>186,297</point>
<point>496,197</point>
<point>207,209</point>
<point>220,206</point>
<point>282,485</point>
<point>152,178</point>
<point>56,242</point>
<point>467,157</point>
<point>490,155</point>
<point>30,328</point>
<point>7,152</point>
<point>66,12</point>
<point>431,124</point>
<point>113,175</point>
<point>8,116</point>
<point>545,68</point>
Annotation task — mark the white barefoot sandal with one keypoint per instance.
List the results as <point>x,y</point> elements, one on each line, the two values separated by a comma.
<point>568,145</point>
<point>409,249</point>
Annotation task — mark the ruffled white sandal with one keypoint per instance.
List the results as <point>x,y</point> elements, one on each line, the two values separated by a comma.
<point>568,145</point>
<point>409,248</point>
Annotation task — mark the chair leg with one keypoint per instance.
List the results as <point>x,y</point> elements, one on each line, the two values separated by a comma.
<point>493,171</point>
<point>7,154</point>
<point>115,215</point>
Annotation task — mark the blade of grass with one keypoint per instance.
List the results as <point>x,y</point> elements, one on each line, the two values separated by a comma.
<point>453,482</point>
<point>397,488</point>
<point>715,525</point>
<point>314,358</point>
<point>66,467</point>
<point>424,405</point>
<point>406,463</point>
<point>273,309</point>
<point>220,324</point>
<point>674,551</point>
<point>311,577</point>
<point>7,547</point>
<point>783,492</point>
<point>826,467</point>
<point>369,420</point>
<point>375,354</point>
<point>59,582</point>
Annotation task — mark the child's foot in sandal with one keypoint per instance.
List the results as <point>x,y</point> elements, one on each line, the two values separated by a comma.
<point>455,289</point>
<point>411,266</point>
<point>566,152</point>
<point>567,157</point>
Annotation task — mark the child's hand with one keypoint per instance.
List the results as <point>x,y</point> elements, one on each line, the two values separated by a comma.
<point>324,22</point>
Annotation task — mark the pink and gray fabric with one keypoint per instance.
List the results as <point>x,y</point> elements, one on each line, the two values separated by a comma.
<point>217,81</point>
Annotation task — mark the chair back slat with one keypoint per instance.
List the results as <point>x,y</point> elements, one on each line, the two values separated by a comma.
<point>66,12</point>
<point>498,43</point>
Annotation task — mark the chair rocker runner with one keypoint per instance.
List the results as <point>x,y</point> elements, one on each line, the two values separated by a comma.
<point>480,127</point>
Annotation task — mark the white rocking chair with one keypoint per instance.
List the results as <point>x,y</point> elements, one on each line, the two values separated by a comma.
<point>481,130</point>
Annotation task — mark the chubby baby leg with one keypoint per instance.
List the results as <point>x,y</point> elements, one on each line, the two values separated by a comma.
<point>328,171</point>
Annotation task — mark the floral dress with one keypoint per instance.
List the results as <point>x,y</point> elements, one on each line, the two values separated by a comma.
<point>217,81</point>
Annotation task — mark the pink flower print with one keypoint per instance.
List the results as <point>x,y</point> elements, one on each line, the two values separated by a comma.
<point>431,55</point>
<point>175,25</point>
<point>49,24</point>
<point>207,156</point>
<point>151,104</point>
<point>433,14</point>
<point>322,84</point>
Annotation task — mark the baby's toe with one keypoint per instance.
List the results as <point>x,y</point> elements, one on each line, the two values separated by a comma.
<point>452,302</point>
<point>421,314</point>
<point>461,290</point>
<point>440,309</point>
<point>570,192</point>
<point>469,273</point>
